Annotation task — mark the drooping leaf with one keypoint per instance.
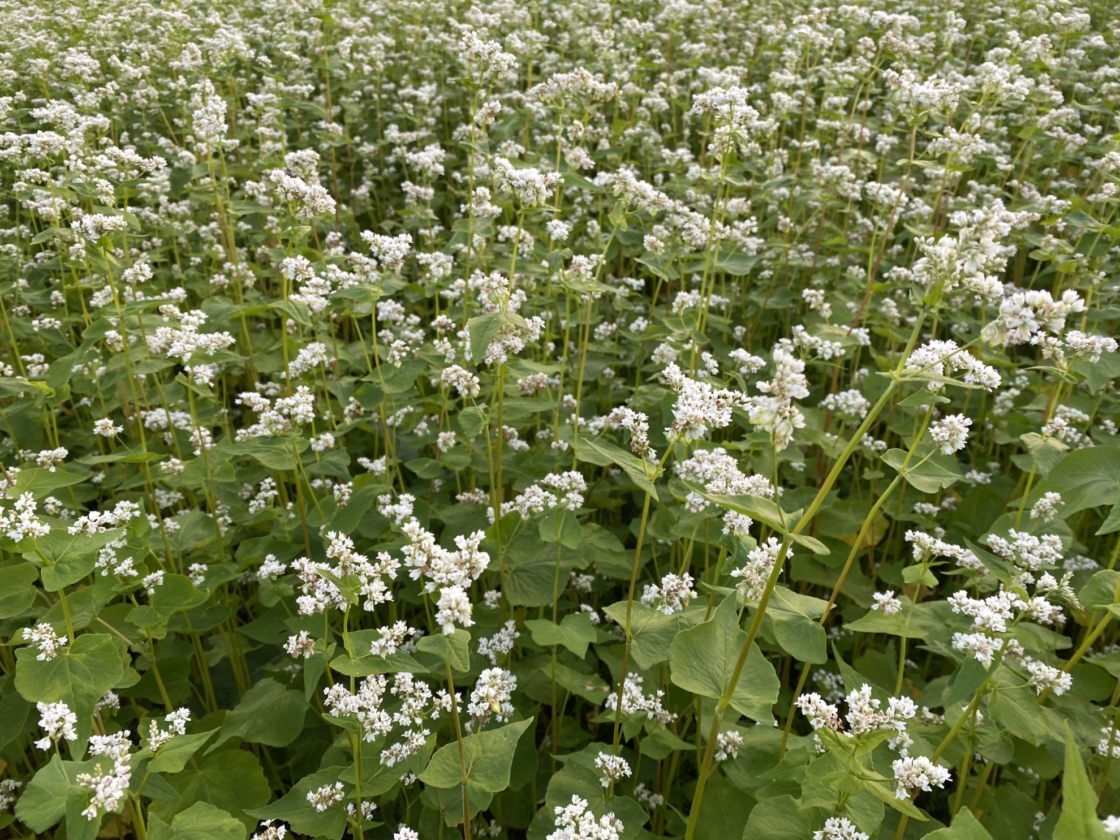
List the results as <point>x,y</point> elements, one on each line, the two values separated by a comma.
<point>294,809</point>
<point>927,473</point>
<point>575,632</point>
<point>702,660</point>
<point>201,821</point>
<point>1085,478</point>
<point>965,826</point>
<point>78,675</point>
<point>1079,820</point>
<point>486,759</point>
<point>268,714</point>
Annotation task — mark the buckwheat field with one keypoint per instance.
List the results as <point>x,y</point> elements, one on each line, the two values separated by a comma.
<point>559,421</point>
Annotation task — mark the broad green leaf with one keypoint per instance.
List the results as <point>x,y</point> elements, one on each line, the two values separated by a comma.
<point>486,758</point>
<point>453,648</point>
<point>929,475</point>
<point>560,526</point>
<point>482,329</point>
<point>702,659</point>
<point>230,779</point>
<point>800,637</point>
<point>1045,452</point>
<point>176,593</point>
<point>1100,590</point>
<point>173,756</point>
<point>274,453</point>
<point>661,743</point>
<point>724,811</point>
<point>68,557</point>
<point>79,675</point>
<point>41,482</point>
<point>1085,478</point>
<point>1078,820</point>
<point>530,575</point>
<point>601,452</point>
<point>767,512</point>
<point>575,632</point>
<point>590,687</point>
<point>965,827</point>
<point>651,630</point>
<point>294,809</point>
<point>17,589</point>
<point>43,803</point>
<point>1014,707</point>
<point>364,662</point>
<point>268,714</point>
<point>576,779</point>
<point>201,821</point>
<point>778,818</point>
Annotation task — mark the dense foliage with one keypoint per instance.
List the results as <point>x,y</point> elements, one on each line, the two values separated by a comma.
<point>569,421</point>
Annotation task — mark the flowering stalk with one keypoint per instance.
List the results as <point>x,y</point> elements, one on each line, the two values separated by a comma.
<point>756,623</point>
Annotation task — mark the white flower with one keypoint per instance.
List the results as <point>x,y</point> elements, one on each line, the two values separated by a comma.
<point>913,773</point>
<point>951,433</point>
<point>839,828</point>
<point>44,638</point>
<point>1046,678</point>
<point>300,645</point>
<point>58,722</point>
<point>611,768</point>
<point>886,603</point>
<point>105,428</point>
<point>1046,508</point>
<point>577,822</point>
<point>326,796</point>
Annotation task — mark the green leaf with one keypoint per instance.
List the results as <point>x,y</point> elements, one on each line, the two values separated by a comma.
<point>1112,524</point>
<point>965,827</point>
<point>483,328</point>
<point>176,593</point>
<point>487,758</point>
<point>268,714</point>
<point>17,589</point>
<point>78,676</point>
<point>173,756</point>
<point>935,473</point>
<point>800,637</point>
<point>652,632</point>
<point>530,575</point>
<point>1045,452</point>
<point>201,821</point>
<point>229,779</point>
<point>471,421</point>
<point>295,310</point>
<point>1078,820</point>
<point>602,453</point>
<point>43,803</point>
<point>1100,590</point>
<point>294,809</point>
<point>1014,708</point>
<point>724,811</point>
<point>454,648</point>
<point>560,526</point>
<point>778,818</point>
<point>67,558</point>
<point>1085,478</point>
<point>702,659</point>
<point>40,482</point>
<point>767,512</point>
<point>737,265</point>
<point>575,632</point>
<point>274,453</point>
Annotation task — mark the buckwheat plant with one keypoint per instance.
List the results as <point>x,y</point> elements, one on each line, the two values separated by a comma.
<point>544,420</point>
